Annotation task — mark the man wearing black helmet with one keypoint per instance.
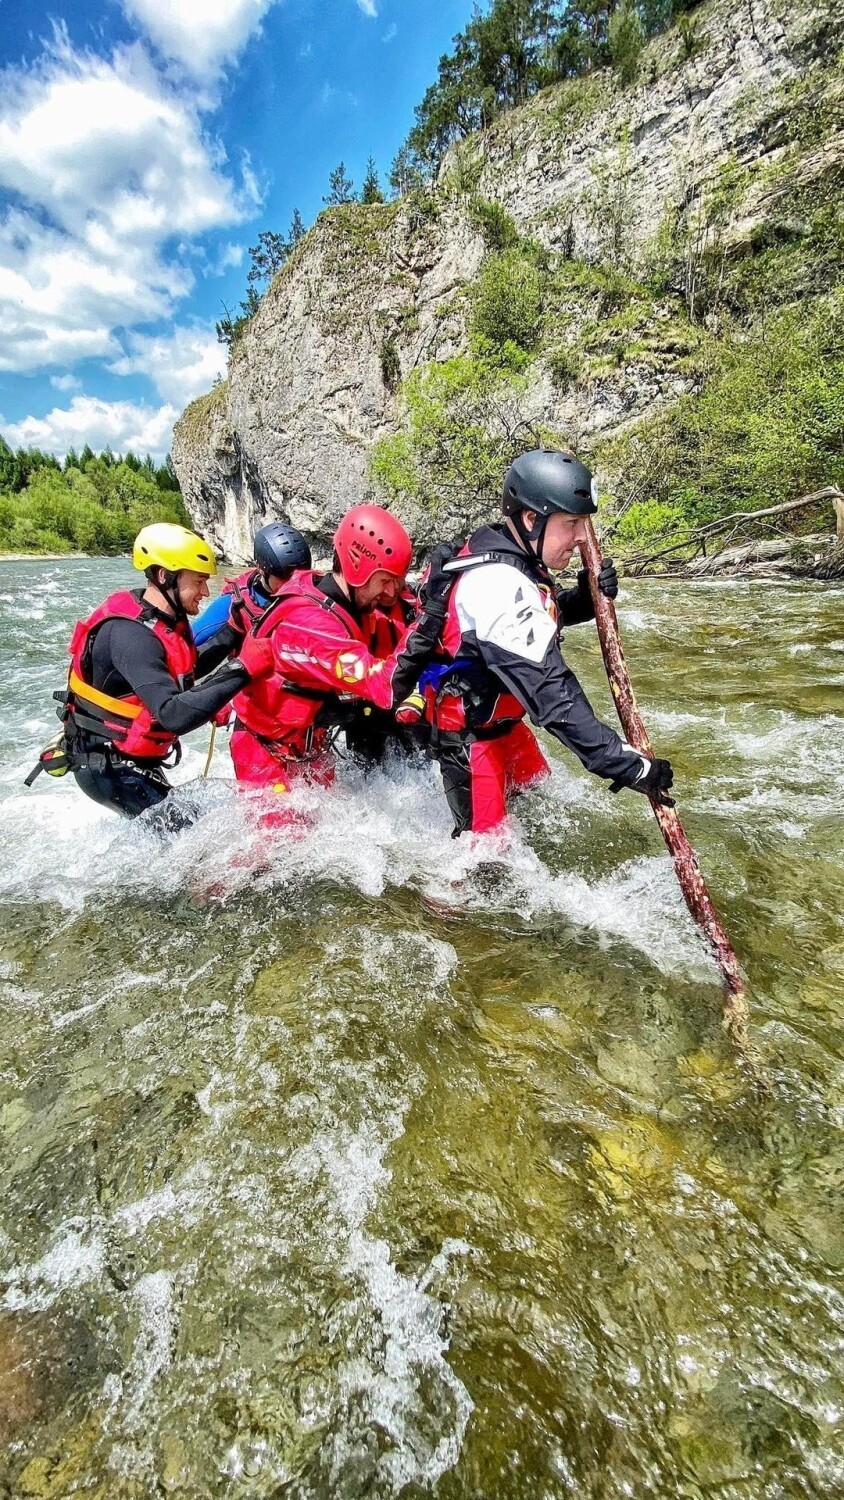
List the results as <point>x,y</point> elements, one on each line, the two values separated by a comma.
<point>278,550</point>
<point>499,656</point>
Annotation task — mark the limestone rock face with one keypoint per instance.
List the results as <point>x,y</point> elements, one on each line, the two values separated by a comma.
<point>311,385</point>
<point>373,292</point>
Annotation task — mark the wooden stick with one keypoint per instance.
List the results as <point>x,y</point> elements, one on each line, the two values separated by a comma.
<point>692,884</point>
<point>210,756</point>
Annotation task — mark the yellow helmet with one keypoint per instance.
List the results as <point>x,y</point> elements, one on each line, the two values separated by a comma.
<point>164,545</point>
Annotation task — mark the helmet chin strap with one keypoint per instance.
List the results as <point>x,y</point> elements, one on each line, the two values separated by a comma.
<point>529,537</point>
<point>170,590</point>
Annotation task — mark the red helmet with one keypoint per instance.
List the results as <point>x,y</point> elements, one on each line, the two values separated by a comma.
<point>369,538</point>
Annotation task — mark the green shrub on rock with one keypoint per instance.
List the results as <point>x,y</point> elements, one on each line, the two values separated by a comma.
<point>462,425</point>
<point>508,300</point>
<point>493,222</point>
<point>766,427</point>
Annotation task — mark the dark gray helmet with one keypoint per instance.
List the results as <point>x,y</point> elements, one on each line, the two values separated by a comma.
<point>280,549</point>
<point>546,481</point>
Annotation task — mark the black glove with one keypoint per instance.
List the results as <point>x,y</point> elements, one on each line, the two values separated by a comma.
<point>437,585</point>
<point>657,783</point>
<point>608,578</point>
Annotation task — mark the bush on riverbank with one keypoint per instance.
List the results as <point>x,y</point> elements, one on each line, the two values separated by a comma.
<point>766,426</point>
<point>92,505</point>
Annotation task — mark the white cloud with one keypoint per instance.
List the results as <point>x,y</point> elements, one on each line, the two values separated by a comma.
<point>368,7</point>
<point>201,35</point>
<point>120,424</point>
<point>65,382</point>
<point>391,33</point>
<point>181,364</point>
<point>227,256</point>
<point>108,167</point>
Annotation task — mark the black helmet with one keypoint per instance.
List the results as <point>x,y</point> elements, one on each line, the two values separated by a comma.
<point>547,481</point>
<point>280,549</point>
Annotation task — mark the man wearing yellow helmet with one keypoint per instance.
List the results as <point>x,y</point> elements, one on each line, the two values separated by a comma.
<point>131,690</point>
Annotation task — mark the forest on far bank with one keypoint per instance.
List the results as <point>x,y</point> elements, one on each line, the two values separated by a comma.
<point>93,502</point>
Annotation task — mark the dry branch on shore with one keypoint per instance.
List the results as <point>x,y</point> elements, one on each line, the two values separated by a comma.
<point>696,538</point>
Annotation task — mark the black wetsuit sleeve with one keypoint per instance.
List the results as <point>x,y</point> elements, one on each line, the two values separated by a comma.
<point>575,606</point>
<point>138,657</point>
<point>555,701</point>
<point>415,652</point>
<point>217,648</point>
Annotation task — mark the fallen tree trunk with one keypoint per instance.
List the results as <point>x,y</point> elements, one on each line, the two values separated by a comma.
<point>685,860</point>
<point>785,555</point>
<point>697,536</point>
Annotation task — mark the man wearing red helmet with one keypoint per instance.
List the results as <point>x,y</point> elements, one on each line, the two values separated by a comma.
<point>335,644</point>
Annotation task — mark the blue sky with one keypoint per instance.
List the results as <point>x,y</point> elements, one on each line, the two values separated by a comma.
<point>144,144</point>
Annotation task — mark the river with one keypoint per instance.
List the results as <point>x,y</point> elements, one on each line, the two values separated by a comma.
<point>364,1163</point>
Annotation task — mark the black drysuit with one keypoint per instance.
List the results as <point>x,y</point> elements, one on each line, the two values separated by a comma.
<point>500,629</point>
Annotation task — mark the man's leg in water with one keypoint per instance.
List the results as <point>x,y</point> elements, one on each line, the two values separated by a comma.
<point>256,765</point>
<point>120,785</point>
<point>479,775</point>
<point>524,762</point>
<point>473,780</point>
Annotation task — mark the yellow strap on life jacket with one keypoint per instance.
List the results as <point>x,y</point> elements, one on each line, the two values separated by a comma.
<point>117,706</point>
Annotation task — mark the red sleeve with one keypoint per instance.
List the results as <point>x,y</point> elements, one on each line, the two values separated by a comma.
<point>314,651</point>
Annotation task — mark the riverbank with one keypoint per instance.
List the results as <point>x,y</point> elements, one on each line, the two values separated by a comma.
<point>47,556</point>
<point>811,558</point>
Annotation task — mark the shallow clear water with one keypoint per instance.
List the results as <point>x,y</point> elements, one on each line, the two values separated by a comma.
<point>365,1163</point>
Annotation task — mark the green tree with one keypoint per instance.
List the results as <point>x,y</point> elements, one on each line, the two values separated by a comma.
<point>406,172</point>
<point>296,232</point>
<point>231,327</point>
<point>98,509</point>
<point>371,190</point>
<point>267,258</point>
<point>625,39</point>
<point>507,303</point>
<point>341,189</point>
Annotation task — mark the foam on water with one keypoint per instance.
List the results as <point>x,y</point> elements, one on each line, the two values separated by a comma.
<point>388,829</point>
<point>409,1347</point>
<point>76,1257</point>
<point>126,1395</point>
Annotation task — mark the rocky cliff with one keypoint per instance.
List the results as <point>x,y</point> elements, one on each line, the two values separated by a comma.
<point>598,175</point>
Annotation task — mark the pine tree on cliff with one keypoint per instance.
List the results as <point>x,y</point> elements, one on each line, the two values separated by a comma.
<point>267,257</point>
<point>371,190</point>
<point>296,232</point>
<point>341,189</point>
<point>405,173</point>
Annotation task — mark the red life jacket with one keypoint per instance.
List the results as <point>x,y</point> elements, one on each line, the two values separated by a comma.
<point>471,699</point>
<point>389,625</point>
<point>125,722</point>
<point>245,610</point>
<point>284,712</point>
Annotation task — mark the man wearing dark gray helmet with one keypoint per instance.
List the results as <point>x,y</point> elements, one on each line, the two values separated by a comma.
<point>499,658</point>
<point>279,550</point>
